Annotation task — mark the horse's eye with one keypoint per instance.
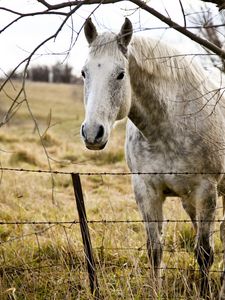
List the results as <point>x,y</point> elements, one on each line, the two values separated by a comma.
<point>83,74</point>
<point>120,76</point>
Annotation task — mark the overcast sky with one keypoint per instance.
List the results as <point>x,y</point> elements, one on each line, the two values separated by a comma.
<point>22,37</point>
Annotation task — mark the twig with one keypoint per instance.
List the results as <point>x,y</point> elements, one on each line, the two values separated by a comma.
<point>180,29</point>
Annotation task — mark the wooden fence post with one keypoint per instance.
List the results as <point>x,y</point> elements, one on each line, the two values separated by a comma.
<point>85,235</point>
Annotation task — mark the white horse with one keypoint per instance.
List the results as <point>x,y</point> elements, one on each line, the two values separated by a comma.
<point>176,124</point>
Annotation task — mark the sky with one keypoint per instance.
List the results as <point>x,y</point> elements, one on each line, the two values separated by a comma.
<point>17,42</point>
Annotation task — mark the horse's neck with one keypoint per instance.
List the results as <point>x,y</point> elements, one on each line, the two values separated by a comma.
<point>158,84</point>
<point>149,111</point>
<point>165,106</point>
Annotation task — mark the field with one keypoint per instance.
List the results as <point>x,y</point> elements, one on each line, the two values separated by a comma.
<point>46,261</point>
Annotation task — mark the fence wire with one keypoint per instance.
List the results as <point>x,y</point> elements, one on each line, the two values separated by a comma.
<point>105,222</point>
<point>58,172</point>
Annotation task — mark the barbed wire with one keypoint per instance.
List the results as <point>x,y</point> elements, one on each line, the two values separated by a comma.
<point>172,249</point>
<point>21,268</point>
<point>59,172</point>
<point>103,221</point>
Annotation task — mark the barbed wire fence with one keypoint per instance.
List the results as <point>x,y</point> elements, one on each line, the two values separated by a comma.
<point>83,222</point>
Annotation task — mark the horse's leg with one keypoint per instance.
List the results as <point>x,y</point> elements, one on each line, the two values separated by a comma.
<point>190,209</point>
<point>206,196</point>
<point>150,200</point>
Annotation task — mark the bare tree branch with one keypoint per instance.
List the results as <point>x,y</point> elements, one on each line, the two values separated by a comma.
<point>210,46</point>
<point>182,9</point>
<point>28,15</point>
<point>51,9</point>
<point>33,13</point>
<point>76,2</point>
<point>44,3</point>
<point>219,3</point>
<point>141,4</point>
<point>208,30</point>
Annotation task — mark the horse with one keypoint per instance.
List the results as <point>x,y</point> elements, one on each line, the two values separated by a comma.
<point>175,141</point>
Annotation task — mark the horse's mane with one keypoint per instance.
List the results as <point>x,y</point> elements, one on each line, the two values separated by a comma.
<point>163,61</point>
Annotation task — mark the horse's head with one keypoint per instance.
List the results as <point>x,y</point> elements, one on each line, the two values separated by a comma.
<point>107,91</point>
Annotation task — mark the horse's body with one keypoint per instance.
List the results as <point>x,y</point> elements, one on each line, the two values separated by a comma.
<point>176,125</point>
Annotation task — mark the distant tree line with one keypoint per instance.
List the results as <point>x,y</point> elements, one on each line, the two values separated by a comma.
<point>58,73</point>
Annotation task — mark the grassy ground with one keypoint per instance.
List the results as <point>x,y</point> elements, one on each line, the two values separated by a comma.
<point>46,261</point>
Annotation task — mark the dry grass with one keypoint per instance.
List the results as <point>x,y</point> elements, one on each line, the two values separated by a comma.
<point>46,261</point>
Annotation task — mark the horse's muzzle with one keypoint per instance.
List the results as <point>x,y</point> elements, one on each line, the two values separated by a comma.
<point>95,146</point>
<point>94,136</point>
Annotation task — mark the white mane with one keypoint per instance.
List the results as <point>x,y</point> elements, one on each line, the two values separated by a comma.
<point>163,61</point>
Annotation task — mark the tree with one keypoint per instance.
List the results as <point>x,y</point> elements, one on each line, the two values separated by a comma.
<point>62,73</point>
<point>38,73</point>
<point>57,73</point>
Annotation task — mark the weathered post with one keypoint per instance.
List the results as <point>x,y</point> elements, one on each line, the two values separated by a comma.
<point>85,235</point>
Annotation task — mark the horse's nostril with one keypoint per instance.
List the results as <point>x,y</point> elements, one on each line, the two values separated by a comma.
<point>83,132</point>
<point>100,133</point>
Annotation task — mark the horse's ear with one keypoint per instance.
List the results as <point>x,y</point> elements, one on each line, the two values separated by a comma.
<point>125,35</point>
<point>90,31</point>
